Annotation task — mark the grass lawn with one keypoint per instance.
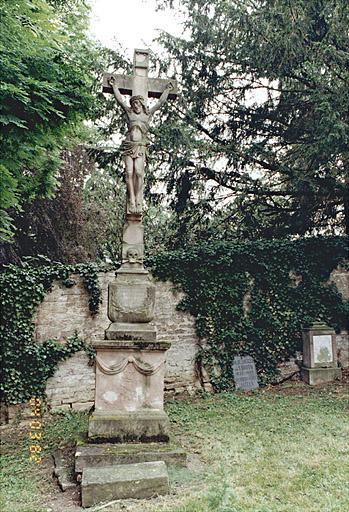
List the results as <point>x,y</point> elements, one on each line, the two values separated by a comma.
<point>278,450</point>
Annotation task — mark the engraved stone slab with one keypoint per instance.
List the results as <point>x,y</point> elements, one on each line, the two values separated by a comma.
<point>319,346</point>
<point>245,374</point>
<point>322,348</point>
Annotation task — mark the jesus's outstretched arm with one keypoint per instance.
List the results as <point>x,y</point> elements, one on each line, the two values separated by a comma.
<point>117,95</point>
<point>162,99</point>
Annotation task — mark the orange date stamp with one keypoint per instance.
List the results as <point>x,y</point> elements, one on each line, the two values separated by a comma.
<point>35,433</point>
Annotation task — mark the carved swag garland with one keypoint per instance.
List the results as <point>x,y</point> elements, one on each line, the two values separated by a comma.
<point>139,365</point>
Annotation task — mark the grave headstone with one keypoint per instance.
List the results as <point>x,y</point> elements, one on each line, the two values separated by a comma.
<point>245,375</point>
<point>319,355</point>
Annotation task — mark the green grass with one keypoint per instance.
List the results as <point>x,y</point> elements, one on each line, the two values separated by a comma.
<point>268,452</point>
<point>24,483</point>
<point>272,451</point>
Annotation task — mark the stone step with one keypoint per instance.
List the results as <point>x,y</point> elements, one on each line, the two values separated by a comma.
<point>97,455</point>
<point>143,425</point>
<point>143,480</point>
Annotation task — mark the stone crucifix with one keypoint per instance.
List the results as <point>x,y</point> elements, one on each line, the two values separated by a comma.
<point>130,361</point>
<point>134,147</point>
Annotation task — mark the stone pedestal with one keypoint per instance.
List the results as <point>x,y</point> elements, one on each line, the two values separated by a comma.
<point>129,391</point>
<point>130,376</point>
<point>129,399</point>
<point>130,365</point>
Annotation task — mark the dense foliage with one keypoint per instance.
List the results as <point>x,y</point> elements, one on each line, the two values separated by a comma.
<point>46,73</point>
<point>258,143</point>
<point>255,146</point>
<point>252,298</point>
<point>25,364</point>
<point>54,227</point>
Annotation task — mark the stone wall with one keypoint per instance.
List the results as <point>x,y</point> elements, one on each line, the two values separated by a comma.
<point>65,310</point>
<point>340,278</point>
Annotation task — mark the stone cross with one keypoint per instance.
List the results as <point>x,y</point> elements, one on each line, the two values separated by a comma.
<point>133,148</point>
<point>139,83</point>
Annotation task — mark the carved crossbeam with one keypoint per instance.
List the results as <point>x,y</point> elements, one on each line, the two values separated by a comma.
<point>139,83</point>
<point>126,85</point>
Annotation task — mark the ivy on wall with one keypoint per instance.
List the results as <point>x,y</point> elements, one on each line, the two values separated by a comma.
<point>249,298</point>
<point>25,364</point>
<point>252,298</point>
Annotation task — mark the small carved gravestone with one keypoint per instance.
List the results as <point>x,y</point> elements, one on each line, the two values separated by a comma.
<point>245,375</point>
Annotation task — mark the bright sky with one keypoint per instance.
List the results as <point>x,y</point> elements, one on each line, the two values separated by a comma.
<point>132,23</point>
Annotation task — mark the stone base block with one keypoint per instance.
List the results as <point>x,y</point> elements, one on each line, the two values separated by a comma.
<point>125,481</point>
<point>129,378</point>
<point>103,455</point>
<point>122,426</point>
<point>136,332</point>
<point>314,376</point>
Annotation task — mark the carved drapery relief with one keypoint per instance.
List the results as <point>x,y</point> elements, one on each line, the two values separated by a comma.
<point>139,365</point>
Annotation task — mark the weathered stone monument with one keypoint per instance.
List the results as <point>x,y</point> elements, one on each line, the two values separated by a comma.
<point>320,362</point>
<point>130,362</point>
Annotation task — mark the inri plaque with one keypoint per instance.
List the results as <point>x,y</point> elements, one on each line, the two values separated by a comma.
<point>245,375</point>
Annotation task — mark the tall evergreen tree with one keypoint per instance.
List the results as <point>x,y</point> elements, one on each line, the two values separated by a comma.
<point>261,136</point>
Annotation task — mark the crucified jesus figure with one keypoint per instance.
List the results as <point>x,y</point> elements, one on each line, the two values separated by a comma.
<point>134,147</point>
